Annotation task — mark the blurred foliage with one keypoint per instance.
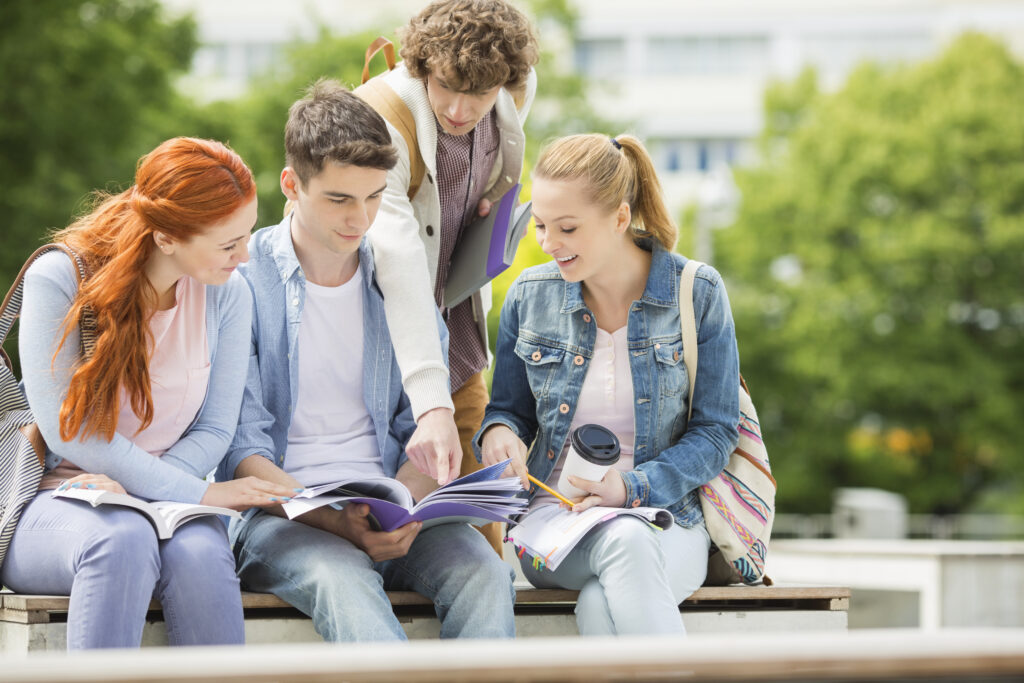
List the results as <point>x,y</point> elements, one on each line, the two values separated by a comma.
<point>87,90</point>
<point>875,274</point>
<point>253,124</point>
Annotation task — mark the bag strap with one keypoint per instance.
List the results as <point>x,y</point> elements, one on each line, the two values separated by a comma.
<point>381,43</point>
<point>688,322</point>
<point>388,104</point>
<point>383,98</point>
<point>11,307</point>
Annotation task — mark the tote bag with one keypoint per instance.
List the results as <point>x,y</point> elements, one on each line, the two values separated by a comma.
<point>738,504</point>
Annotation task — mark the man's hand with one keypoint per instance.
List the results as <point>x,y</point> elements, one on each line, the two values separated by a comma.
<point>610,491</point>
<point>484,207</point>
<point>353,524</point>
<point>434,447</point>
<point>500,443</point>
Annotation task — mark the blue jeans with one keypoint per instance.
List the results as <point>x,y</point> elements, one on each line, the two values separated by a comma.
<point>631,577</point>
<point>336,584</point>
<point>109,560</point>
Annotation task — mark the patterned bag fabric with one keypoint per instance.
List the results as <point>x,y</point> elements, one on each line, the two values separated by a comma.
<point>738,504</point>
<point>21,446</point>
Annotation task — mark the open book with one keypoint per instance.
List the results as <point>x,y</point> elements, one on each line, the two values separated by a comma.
<point>165,515</point>
<point>550,532</point>
<point>487,247</point>
<point>480,497</point>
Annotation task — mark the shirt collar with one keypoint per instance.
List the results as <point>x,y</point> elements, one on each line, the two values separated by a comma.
<point>283,252</point>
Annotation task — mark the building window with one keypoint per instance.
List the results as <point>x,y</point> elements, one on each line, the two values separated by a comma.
<point>699,55</point>
<point>601,58</point>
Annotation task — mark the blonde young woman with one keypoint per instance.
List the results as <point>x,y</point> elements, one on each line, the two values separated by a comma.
<point>594,337</point>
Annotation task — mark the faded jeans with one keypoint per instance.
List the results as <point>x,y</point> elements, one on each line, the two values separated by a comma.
<point>336,584</point>
<point>109,560</point>
<point>631,577</point>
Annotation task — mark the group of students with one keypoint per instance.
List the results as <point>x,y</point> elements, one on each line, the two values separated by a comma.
<point>320,348</point>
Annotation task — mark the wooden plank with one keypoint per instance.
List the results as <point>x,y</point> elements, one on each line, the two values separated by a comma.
<point>803,597</point>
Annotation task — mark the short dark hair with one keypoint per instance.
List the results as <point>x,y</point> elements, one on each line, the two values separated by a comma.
<point>332,124</point>
<point>474,45</point>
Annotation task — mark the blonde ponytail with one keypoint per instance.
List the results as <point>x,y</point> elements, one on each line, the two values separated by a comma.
<point>615,170</point>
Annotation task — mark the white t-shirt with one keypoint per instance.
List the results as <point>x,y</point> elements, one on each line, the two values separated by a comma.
<point>606,399</point>
<point>332,435</point>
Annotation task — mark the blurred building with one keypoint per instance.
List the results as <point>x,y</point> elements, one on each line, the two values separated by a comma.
<point>688,74</point>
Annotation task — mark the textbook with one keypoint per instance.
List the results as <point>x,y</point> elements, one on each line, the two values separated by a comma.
<point>166,516</point>
<point>487,247</point>
<point>481,497</point>
<point>550,532</point>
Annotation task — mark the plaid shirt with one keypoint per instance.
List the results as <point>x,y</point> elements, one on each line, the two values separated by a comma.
<point>464,165</point>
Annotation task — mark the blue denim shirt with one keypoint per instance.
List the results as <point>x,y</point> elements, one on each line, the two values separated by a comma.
<point>271,390</point>
<point>545,344</point>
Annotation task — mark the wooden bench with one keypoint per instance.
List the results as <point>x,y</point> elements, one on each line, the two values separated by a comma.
<point>30,623</point>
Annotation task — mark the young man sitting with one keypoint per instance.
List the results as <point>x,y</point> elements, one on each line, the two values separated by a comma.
<point>324,400</point>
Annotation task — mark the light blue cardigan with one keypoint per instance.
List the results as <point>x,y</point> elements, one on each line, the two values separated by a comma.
<point>178,475</point>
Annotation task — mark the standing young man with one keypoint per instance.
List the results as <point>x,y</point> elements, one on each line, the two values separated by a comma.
<point>324,400</point>
<point>467,78</point>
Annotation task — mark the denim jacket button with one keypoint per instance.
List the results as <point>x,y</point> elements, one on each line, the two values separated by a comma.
<point>675,355</point>
<point>586,317</point>
<point>636,503</point>
<point>551,455</point>
<point>578,360</point>
<point>535,355</point>
<point>657,346</point>
<point>564,408</point>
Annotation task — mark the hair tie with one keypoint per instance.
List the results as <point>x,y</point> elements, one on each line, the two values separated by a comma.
<point>616,143</point>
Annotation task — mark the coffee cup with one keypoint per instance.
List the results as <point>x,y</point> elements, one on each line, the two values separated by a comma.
<point>592,450</point>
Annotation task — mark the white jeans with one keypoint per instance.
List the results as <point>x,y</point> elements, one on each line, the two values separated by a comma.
<point>631,577</point>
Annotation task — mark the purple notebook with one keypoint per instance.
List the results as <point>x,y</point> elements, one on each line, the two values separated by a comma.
<point>487,247</point>
<point>480,497</point>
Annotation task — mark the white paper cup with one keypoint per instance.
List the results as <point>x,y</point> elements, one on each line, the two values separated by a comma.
<point>592,450</point>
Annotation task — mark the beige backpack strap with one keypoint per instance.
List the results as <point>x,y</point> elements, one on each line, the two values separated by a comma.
<point>381,43</point>
<point>388,104</point>
<point>688,321</point>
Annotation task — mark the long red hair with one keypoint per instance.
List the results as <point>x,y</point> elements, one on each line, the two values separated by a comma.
<point>182,187</point>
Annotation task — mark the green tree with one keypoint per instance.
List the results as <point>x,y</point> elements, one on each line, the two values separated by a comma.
<point>875,271</point>
<point>87,90</point>
<point>253,124</point>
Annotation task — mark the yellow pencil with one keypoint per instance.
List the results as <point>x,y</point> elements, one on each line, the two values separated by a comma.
<point>550,490</point>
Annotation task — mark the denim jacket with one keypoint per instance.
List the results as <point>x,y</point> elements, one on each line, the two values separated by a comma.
<point>545,344</point>
<point>271,389</point>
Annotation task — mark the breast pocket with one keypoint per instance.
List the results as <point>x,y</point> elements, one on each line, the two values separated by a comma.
<point>671,369</point>
<point>541,364</point>
<point>197,381</point>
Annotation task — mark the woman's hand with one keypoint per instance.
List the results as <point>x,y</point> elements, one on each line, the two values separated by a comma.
<point>501,443</point>
<point>610,491</point>
<point>247,492</point>
<point>92,481</point>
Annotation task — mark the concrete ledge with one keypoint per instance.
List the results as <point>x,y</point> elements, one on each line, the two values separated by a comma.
<point>965,655</point>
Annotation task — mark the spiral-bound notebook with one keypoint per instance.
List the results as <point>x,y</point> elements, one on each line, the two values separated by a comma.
<point>487,247</point>
<point>549,532</point>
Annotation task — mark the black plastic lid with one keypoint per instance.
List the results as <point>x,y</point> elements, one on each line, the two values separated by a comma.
<point>595,444</point>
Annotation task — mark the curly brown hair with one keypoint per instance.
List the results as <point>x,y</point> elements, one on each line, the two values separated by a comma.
<point>474,45</point>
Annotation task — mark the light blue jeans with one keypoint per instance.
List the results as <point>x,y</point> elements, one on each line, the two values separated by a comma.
<point>631,577</point>
<point>335,583</point>
<point>109,560</point>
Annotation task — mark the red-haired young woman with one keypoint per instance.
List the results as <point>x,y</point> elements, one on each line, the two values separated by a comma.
<point>152,410</point>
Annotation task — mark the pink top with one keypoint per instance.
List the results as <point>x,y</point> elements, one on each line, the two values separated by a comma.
<point>606,399</point>
<point>179,372</point>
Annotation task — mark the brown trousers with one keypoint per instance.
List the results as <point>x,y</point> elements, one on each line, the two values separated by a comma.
<point>470,401</point>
